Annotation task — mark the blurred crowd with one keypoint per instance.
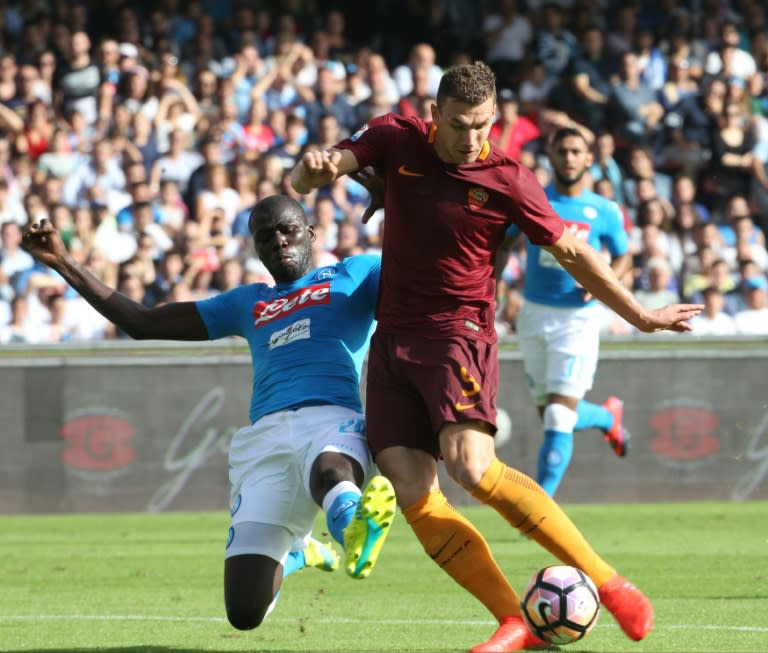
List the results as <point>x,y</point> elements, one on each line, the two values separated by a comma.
<point>146,131</point>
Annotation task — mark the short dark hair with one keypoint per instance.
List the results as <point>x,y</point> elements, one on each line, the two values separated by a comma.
<point>275,204</point>
<point>472,83</point>
<point>568,132</point>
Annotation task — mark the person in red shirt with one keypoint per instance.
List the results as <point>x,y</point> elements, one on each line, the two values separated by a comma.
<point>512,131</point>
<point>449,197</point>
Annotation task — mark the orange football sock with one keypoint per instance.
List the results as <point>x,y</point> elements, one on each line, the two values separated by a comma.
<point>462,552</point>
<point>525,505</point>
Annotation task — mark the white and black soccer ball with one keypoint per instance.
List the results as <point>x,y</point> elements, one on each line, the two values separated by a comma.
<point>560,604</point>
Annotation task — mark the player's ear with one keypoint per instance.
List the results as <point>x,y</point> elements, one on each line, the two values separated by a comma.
<point>311,232</point>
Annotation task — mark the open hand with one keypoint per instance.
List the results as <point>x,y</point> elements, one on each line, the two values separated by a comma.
<point>671,317</point>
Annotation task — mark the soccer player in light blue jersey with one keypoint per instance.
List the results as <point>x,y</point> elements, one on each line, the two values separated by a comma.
<point>306,443</point>
<point>558,326</point>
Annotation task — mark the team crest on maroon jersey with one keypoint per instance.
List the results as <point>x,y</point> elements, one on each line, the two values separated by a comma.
<point>477,197</point>
<point>266,311</point>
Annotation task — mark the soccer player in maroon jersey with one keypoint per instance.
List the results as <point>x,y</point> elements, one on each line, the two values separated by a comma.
<point>433,370</point>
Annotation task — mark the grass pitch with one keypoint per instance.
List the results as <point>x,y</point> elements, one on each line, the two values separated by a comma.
<point>153,584</point>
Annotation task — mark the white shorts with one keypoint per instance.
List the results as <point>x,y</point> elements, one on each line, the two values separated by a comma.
<point>560,348</point>
<point>269,469</point>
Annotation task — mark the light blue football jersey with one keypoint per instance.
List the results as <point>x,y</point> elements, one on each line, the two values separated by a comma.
<point>590,217</point>
<point>308,339</point>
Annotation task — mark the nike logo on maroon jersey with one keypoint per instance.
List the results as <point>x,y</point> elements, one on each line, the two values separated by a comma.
<point>407,173</point>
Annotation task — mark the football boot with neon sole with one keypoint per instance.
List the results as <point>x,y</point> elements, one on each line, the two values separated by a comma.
<point>511,635</point>
<point>618,436</point>
<point>631,608</point>
<point>365,535</point>
<point>321,556</point>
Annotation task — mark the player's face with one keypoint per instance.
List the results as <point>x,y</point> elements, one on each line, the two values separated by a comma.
<point>570,159</point>
<point>284,245</point>
<point>462,129</point>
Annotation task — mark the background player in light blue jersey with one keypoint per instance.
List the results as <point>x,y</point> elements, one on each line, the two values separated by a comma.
<point>559,323</point>
<point>306,445</point>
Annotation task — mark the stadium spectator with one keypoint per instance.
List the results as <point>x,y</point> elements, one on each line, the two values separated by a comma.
<point>727,59</point>
<point>534,90</point>
<point>17,327</point>
<point>713,320</point>
<point>555,44</point>
<point>177,164</point>
<point>637,114</point>
<point>258,136</point>
<point>691,124</point>
<point>605,166</point>
<point>729,171</point>
<point>659,291</point>
<point>10,208</point>
<point>507,34</point>
<point>641,167</point>
<point>77,88</point>
<point>585,88</point>
<point>409,104</point>
<point>753,318</point>
<point>176,110</point>
<point>58,160</point>
<point>511,132</point>
<point>288,152</point>
<point>329,99</point>
<point>217,194</point>
<point>15,263</point>
<point>422,58</point>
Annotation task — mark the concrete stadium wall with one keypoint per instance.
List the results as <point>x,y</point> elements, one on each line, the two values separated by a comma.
<point>148,430</point>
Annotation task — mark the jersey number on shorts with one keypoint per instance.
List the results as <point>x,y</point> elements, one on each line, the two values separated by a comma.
<point>352,426</point>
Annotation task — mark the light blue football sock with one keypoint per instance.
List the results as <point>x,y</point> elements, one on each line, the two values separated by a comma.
<point>592,416</point>
<point>554,457</point>
<point>293,563</point>
<point>340,505</point>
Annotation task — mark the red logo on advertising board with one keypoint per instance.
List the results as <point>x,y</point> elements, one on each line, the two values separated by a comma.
<point>98,442</point>
<point>685,433</point>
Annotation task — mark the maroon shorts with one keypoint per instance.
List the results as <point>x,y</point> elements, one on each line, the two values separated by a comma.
<point>416,385</point>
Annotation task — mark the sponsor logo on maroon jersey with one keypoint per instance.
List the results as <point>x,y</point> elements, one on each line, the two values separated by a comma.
<point>276,309</point>
<point>477,197</point>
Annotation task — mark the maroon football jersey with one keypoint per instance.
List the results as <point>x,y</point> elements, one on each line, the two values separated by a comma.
<point>443,226</point>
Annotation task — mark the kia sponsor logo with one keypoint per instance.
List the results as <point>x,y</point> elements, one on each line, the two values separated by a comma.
<point>276,309</point>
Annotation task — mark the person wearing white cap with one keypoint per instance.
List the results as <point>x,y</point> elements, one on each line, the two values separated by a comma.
<point>753,320</point>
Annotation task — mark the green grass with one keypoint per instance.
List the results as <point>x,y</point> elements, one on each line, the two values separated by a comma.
<point>152,584</point>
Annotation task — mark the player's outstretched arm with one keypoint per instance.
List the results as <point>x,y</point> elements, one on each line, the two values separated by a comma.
<point>178,321</point>
<point>318,168</point>
<point>597,277</point>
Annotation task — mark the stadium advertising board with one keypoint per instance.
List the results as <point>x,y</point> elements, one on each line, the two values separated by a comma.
<point>151,434</point>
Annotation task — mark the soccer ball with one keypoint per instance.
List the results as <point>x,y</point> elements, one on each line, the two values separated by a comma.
<point>560,604</point>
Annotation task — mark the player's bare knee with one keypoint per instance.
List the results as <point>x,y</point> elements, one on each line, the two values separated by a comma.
<point>466,472</point>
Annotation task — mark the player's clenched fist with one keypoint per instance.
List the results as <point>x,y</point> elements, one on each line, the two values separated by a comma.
<point>44,243</point>
<point>315,169</point>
